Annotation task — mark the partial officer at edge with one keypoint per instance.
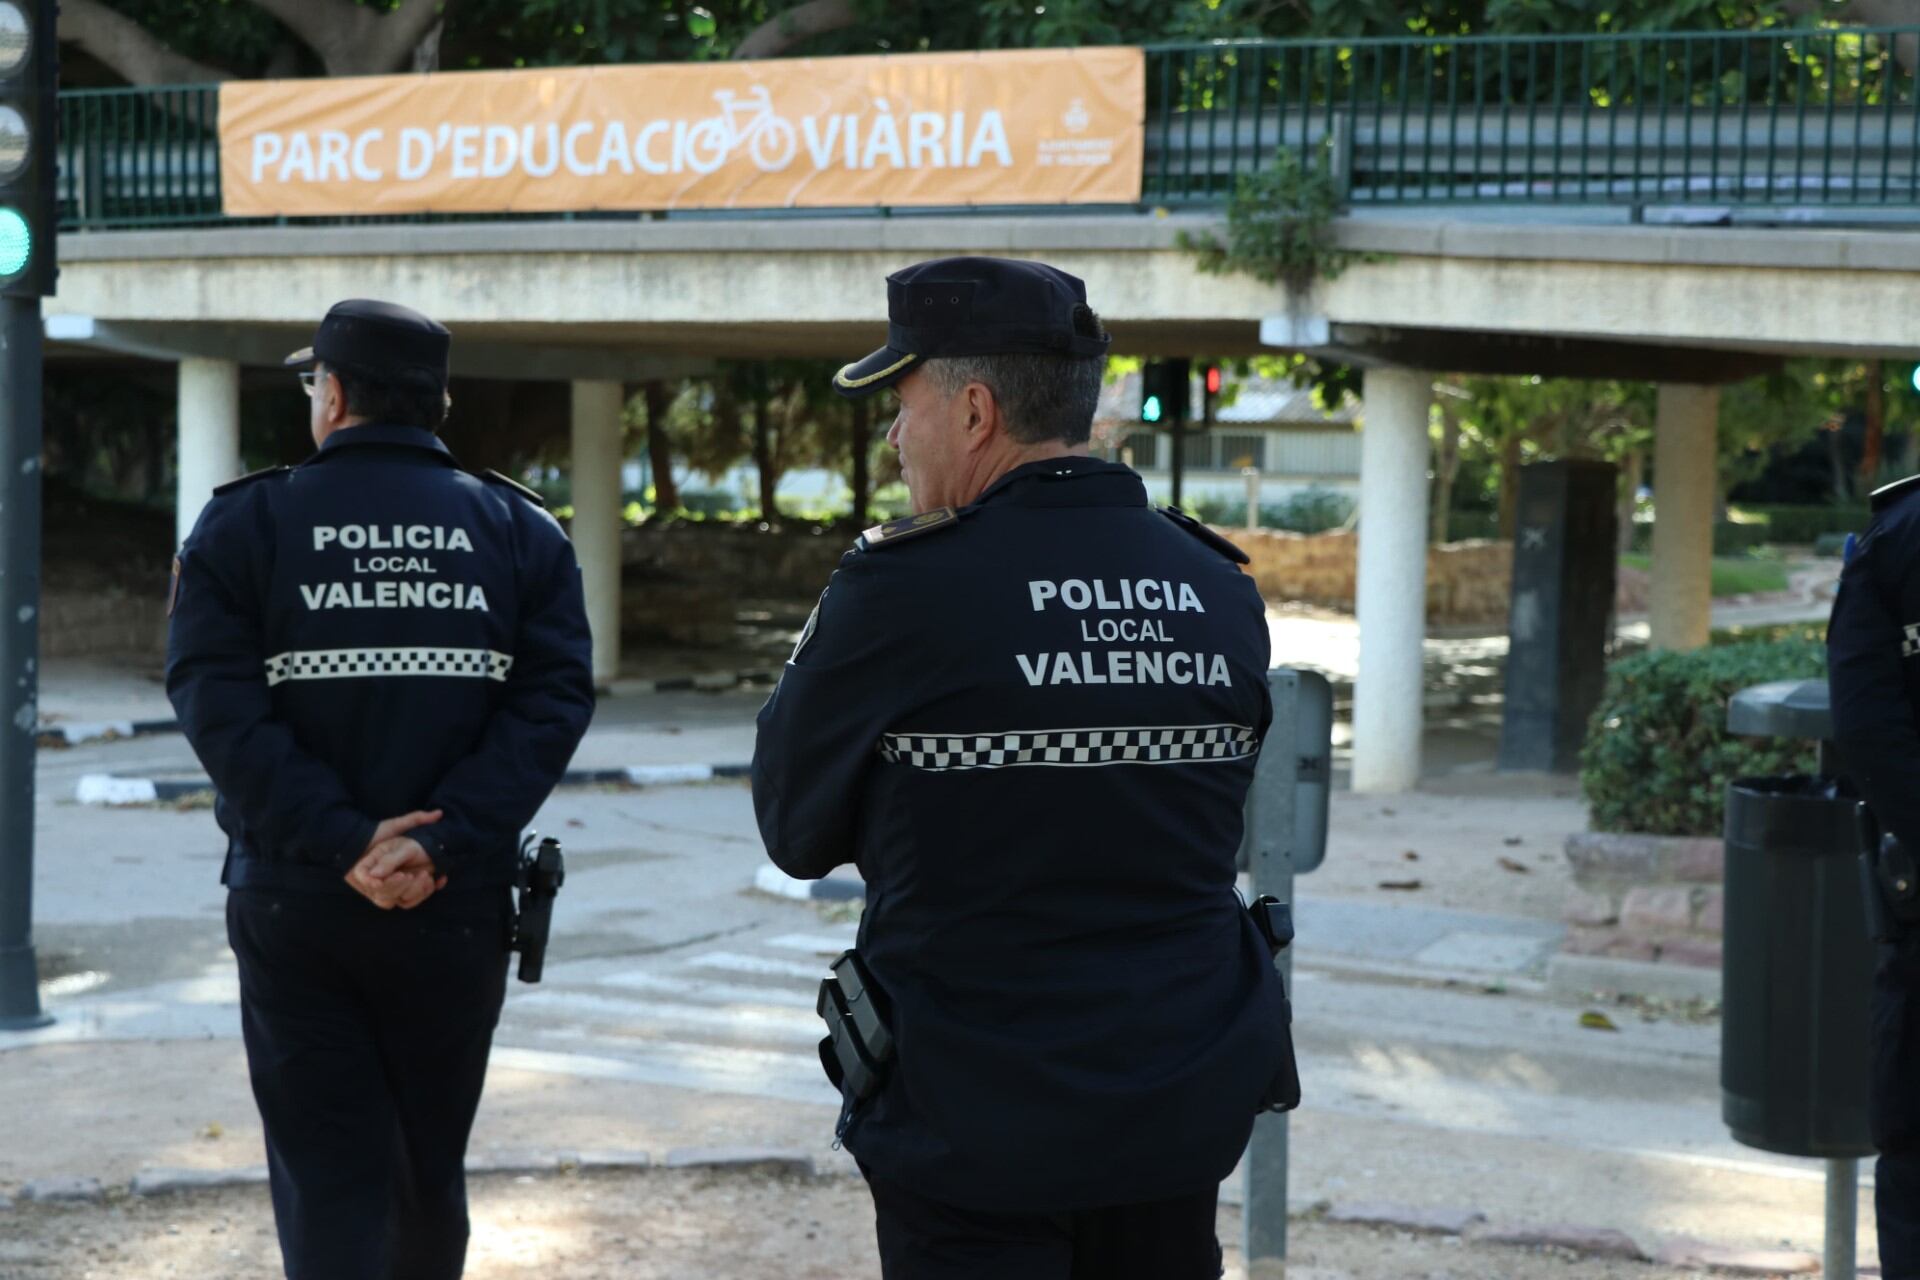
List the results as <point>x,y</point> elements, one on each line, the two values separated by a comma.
<point>1030,714</point>
<point>383,662</point>
<point>1873,676</point>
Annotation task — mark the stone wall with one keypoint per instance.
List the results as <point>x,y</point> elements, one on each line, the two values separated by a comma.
<point>748,561</point>
<point>102,624</point>
<point>1467,582</point>
<point>1646,898</point>
<point>682,584</point>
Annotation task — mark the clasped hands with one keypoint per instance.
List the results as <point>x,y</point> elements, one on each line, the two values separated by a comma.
<point>395,870</point>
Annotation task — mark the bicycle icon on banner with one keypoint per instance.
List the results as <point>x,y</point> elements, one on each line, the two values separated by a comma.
<point>744,121</point>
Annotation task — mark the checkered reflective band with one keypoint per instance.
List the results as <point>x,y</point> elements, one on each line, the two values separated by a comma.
<point>1069,748</point>
<point>347,664</point>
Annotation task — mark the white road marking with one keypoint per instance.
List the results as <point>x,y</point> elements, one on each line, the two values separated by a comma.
<point>739,962</point>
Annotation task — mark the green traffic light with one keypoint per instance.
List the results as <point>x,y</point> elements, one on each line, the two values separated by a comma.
<point>1149,408</point>
<point>1915,379</point>
<point>16,243</point>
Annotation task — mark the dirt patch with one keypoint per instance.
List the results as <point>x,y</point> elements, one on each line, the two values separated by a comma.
<point>1488,843</point>
<point>659,1224</point>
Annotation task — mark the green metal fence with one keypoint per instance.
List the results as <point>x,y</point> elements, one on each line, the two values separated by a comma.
<point>1792,119</point>
<point>1781,118</point>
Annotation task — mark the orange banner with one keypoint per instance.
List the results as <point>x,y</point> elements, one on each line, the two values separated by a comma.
<point>1042,126</point>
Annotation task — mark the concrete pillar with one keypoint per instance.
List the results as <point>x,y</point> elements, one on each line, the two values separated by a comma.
<point>1684,456</point>
<point>597,455</point>
<point>209,436</point>
<point>1392,588</point>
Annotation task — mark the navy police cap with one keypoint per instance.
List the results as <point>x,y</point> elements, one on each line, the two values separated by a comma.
<point>383,337</point>
<point>976,307</point>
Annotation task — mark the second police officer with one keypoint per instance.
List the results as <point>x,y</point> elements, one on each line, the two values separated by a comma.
<point>1030,715</point>
<point>1873,671</point>
<point>383,662</point>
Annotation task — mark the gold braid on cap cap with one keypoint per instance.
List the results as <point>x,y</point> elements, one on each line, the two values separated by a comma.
<point>841,378</point>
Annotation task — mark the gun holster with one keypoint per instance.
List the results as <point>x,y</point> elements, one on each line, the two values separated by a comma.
<point>1274,921</point>
<point>858,1048</point>
<point>1889,880</point>
<point>542,871</point>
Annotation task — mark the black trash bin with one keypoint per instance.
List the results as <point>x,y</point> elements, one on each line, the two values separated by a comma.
<point>1798,965</point>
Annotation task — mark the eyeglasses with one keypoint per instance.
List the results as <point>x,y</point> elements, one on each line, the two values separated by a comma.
<point>306,382</point>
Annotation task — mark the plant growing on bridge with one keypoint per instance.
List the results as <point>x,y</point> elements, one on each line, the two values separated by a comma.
<point>1280,224</point>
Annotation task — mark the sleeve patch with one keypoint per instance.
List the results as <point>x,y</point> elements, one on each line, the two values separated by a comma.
<point>897,531</point>
<point>173,591</point>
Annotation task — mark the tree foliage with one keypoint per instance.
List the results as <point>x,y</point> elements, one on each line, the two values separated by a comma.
<point>147,41</point>
<point>250,38</point>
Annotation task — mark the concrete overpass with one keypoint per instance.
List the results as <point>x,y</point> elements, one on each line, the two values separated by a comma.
<point>596,303</point>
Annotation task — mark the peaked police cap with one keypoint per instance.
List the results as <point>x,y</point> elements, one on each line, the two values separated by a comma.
<point>976,307</point>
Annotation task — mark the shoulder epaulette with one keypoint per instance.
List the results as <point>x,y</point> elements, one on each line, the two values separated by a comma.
<point>894,532</point>
<point>1888,494</point>
<point>1205,534</point>
<point>529,494</point>
<point>249,478</point>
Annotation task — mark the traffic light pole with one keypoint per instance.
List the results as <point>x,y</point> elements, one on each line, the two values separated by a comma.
<point>1175,431</point>
<point>20,372</point>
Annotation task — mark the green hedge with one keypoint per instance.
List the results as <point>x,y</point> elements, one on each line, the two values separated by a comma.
<point>1312,510</point>
<point>1729,539</point>
<point>1806,524</point>
<point>1658,755</point>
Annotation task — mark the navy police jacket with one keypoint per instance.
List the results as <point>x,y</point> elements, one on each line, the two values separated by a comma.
<point>368,633</point>
<point>1032,724</point>
<point>1873,662</point>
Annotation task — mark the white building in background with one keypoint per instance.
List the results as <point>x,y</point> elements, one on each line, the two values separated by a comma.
<point>1274,427</point>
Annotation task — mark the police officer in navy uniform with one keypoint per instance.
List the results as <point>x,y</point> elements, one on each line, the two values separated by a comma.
<point>1029,715</point>
<point>1873,673</point>
<point>382,661</point>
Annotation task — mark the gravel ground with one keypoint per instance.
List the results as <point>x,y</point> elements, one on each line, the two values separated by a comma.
<point>730,1225</point>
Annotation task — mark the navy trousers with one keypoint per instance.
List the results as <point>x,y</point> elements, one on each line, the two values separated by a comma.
<point>922,1239</point>
<point>1896,1106</point>
<point>367,1034</point>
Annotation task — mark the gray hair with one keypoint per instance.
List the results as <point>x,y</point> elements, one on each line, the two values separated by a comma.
<point>1042,397</point>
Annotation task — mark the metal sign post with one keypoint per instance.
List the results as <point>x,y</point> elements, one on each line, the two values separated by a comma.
<point>20,341</point>
<point>1286,835</point>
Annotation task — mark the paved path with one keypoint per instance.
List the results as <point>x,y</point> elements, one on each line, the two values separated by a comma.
<point>1439,1073</point>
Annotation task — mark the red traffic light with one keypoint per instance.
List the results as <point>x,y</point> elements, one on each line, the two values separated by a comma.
<point>1213,379</point>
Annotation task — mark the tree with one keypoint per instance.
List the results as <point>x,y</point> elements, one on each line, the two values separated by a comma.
<point>1511,421</point>
<point>860,450</point>
<point>188,41</point>
<point>155,41</point>
<point>659,401</point>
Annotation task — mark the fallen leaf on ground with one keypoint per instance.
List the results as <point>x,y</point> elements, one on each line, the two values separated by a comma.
<point>1386,813</point>
<point>1400,884</point>
<point>575,822</point>
<point>214,1130</point>
<point>1513,842</point>
<point>1411,856</point>
<point>1595,1021</point>
<point>1520,867</point>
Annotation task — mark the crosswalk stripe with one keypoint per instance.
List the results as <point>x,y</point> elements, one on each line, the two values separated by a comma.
<point>755,1072</point>
<point>787,1026</point>
<point>748,1029</point>
<point>820,944</point>
<point>701,989</point>
<point>737,962</point>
